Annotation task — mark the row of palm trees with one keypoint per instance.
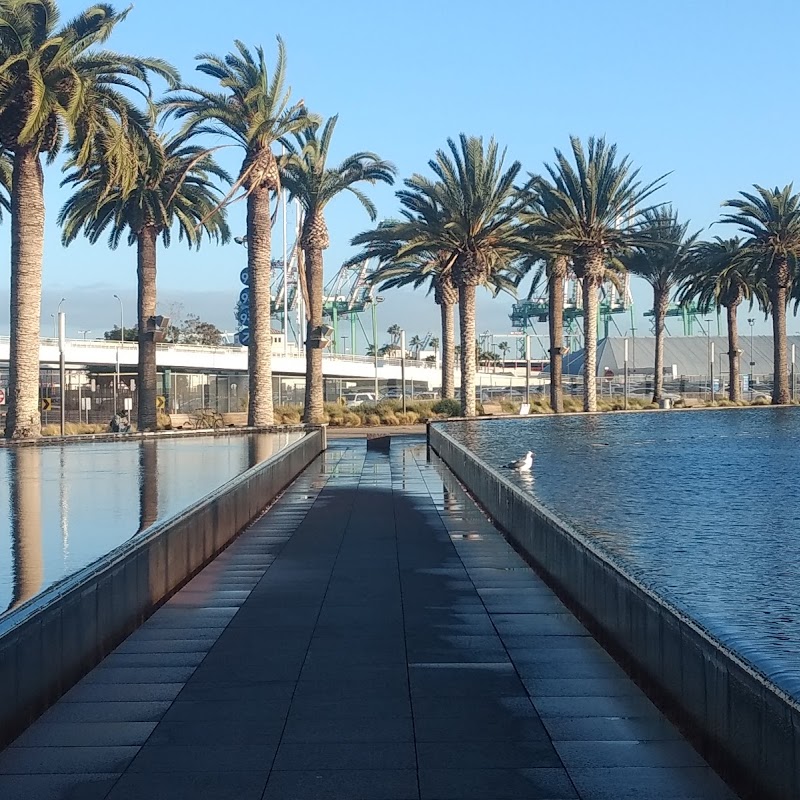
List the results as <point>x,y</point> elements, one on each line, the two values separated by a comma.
<point>474,222</point>
<point>132,181</point>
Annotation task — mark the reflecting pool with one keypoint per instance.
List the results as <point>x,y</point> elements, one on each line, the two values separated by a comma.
<point>703,507</point>
<point>68,505</point>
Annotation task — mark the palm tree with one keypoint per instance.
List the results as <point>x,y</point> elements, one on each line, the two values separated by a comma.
<point>718,275</point>
<point>253,111</point>
<point>661,261</point>
<point>504,347</point>
<point>309,179</point>
<point>467,218</point>
<point>421,267</point>
<point>591,217</point>
<point>174,187</point>
<point>395,331</point>
<point>52,84</point>
<point>771,218</point>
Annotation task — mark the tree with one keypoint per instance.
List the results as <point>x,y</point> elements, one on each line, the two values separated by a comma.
<point>53,84</point>
<point>253,110</point>
<point>591,216</point>
<point>662,260</point>
<point>718,275</point>
<point>771,219</point>
<point>462,225</point>
<point>193,330</point>
<point>415,345</point>
<point>114,335</point>
<point>310,180</point>
<point>173,188</point>
<point>395,331</point>
<point>418,269</point>
<point>478,207</point>
<point>503,347</point>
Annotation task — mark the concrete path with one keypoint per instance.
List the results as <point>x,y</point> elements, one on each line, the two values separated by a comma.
<point>372,637</point>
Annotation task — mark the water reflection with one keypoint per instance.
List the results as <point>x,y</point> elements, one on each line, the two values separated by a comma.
<point>71,504</point>
<point>26,528</point>
<point>702,507</point>
<point>148,484</point>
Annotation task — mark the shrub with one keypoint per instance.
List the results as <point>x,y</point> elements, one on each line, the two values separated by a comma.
<point>448,407</point>
<point>372,419</point>
<point>351,420</point>
<point>408,418</point>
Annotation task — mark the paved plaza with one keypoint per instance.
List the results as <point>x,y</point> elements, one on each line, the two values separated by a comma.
<point>372,637</point>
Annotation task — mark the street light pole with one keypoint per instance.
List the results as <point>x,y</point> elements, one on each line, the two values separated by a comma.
<point>403,366</point>
<point>375,301</point>
<point>751,322</point>
<point>62,370</point>
<point>122,342</point>
<point>528,369</point>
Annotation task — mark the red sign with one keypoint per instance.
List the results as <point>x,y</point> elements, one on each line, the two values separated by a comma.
<point>2,397</point>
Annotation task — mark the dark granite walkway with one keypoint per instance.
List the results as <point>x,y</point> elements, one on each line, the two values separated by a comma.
<point>372,637</point>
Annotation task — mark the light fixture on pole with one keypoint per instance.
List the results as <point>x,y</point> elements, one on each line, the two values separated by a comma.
<point>403,366</point>
<point>625,376</point>
<point>84,334</point>
<point>122,342</point>
<point>62,370</point>
<point>751,322</point>
<point>375,300</point>
<point>528,369</point>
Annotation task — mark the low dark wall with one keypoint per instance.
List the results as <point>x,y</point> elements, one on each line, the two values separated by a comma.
<point>51,642</point>
<point>744,723</point>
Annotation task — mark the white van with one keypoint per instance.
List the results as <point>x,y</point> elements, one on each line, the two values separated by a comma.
<point>359,399</point>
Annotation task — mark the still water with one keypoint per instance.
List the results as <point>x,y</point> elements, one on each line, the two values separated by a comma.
<point>68,505</point>
<point>703,507</point>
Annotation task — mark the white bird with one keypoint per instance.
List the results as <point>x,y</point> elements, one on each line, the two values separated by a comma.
<point>522,464</point>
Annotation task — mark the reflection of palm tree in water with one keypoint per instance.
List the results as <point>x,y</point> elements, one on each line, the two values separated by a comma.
<point>148,484</point>
<point>260,447</point>
<point>26,524</point>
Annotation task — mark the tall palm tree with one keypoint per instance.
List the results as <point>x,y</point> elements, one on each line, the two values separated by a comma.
<point>253,110</point>
<point>590,217</point>
<point>718,275</point>
<point>554,266</point>
<point>308,178</point>
<point>503,347</point>
<point>662,260</point>
<point>173,188</point>
<point>771,219</point>
<point>478,208</point>
<point>52,84</point>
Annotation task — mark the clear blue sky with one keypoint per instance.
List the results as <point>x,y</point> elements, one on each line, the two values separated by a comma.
<point>705,90</point>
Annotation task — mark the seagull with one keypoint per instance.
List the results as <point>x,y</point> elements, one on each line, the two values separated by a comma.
<point>521,464</point>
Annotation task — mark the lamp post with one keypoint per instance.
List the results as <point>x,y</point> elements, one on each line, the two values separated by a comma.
<point>403,367</point>
<point>122,342</point>
<point>84,334</point>
<point>751,322</point>
<point>375,300</point>
<point>528,369</point>
<point>62,370</point>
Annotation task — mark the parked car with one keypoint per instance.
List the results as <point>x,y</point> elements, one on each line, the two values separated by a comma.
<point>358,399</point>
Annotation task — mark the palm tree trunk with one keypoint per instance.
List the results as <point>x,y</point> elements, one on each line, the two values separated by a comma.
<point>555,288</point>
<point>314,401</point>
<point>734,389</point>
<point>777,296</point>
<point>259,357</point>
<point>591,280</point>
<point>466,313</point>
<point>146,307</point>
<point>26,523</point>
<point>448,350</point>
<point>27,251</point>
<point>660,304</point>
